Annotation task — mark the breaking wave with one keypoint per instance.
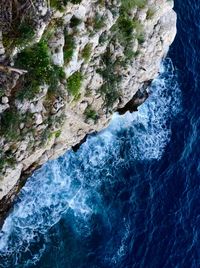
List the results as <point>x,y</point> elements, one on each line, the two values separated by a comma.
<point>73,187</point>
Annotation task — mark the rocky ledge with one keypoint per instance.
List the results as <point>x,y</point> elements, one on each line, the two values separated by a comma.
<point>65,67</point>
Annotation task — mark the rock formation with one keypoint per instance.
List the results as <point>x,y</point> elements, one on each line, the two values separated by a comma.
<point>65,67</point>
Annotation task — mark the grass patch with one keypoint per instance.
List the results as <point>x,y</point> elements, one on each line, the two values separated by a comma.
<point>57,4</point>
<point>74,83</point>
<point>127,5</point>
<point>26,34</point>
<point>68,47</point>
<point>86,52</point>
<point>9,128</point>
<point>109,90</point>
<point>125,26</point>
<point>90,113</point>
<point>60,4</point>
<point>98,22</point>
<point>36,60</point>
<point>150,13</point>
<point>57,133</point>
<point>21,34</point>
<point>130,54</point>
<point>7,160</point>
<point>127,29</point>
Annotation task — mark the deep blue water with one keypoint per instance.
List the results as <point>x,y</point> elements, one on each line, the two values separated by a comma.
<point>130,197</point>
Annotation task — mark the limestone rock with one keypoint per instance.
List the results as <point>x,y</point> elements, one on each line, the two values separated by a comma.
<point>87,57</point>
<point>4,100</point>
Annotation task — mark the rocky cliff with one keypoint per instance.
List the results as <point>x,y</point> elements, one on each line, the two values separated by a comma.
<point>65,67</point>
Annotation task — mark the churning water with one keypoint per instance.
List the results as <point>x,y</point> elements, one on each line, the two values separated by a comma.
<point>130,196</point>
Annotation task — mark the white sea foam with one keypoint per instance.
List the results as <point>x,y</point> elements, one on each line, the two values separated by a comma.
<point>72,182</point>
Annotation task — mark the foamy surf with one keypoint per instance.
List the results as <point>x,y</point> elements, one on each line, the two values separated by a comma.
<point>71,184</point>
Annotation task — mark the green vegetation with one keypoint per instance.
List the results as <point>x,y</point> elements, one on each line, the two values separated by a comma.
<point>74,83</point>
<point>98,22</point>
<point>9,127</point>
<point>48,134</point>
<point>150,12</point>
<point>129,54</point>
<point>74,22</point>
<point>73,1</point>
<point>90,113</point>
<point>55,76</point>
<point>103,38</point>
<point>40,70</point>
<point>127,5</point>
<point>68,47</point>
<point>50,30</point>
<point>21,34</point>
<point>109,90</point>
<point>6,159</point>
<point>53,128</point>
<point>2,91</point>
<point>2,162</point>
<point>140,37</point>
<point>86,52</point>
<point>126,29</point>
<point>25,34</point>
<point>57,4</point>
<point>37,62</point>
<point>101,2</point>
<point>57,133</point>
<point>10,121</point>
<point>60,4</point>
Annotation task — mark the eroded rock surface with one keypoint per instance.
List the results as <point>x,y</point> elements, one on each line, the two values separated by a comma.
<point>64,70</point>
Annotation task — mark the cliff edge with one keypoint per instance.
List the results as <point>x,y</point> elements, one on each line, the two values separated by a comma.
<point>65,67</point>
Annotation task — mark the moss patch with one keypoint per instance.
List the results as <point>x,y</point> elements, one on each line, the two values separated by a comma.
<point>86,52</point>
